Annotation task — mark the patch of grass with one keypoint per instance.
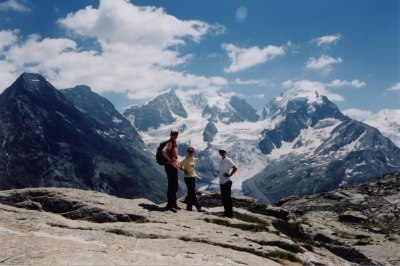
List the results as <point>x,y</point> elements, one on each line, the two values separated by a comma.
<point>345,235</point>
<point>273,255</point>
<point>264,210</point>
<point>308,246</point>
<point>68,227</point>
<point>120,232</point>
<point>292,230</point>
<point>250,219</point>
<point>242,226</point>
<point>280,244</point>
<point>150,236</point>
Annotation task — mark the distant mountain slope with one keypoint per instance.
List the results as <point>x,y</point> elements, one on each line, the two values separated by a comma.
<point>160,110</point>
<point>313,148</point>
<point>300,144</point>
<point>387,121</point>
<point>46,141</point>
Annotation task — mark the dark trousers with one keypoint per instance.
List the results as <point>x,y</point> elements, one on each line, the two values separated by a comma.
<point>191,198</point>
<point>172,174</point>
<point>227,198</point>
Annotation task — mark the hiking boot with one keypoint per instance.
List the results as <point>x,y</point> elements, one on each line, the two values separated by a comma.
<point>189,208</point>
<point>176,207</point>
<point>170,208</point>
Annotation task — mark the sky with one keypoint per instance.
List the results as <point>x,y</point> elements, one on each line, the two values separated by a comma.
<point>130,51</point>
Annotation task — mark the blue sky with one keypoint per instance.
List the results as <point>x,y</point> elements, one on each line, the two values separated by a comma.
<point>129,51</point>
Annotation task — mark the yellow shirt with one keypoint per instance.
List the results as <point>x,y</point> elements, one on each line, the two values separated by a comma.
<point>187,165</point>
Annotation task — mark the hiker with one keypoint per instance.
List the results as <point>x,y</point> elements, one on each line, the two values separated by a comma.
<point>226,169</point>
<point>187,165</point>
<point>170,152</point>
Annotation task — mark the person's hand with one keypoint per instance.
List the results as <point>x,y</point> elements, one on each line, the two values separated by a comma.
<point>175,164</point>
<point>226,175</point>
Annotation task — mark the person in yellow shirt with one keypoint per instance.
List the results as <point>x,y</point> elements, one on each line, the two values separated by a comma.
<point>187,165</point>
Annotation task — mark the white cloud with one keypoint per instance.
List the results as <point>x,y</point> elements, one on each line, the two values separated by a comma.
<point>256,82</point>
<point>344,83</point>
<point>243,58</point>
<point>7,38</point>
<point>310,87</point>
<point>119,21</point>
<point>13,5</point>
<point>395,87</point>
<point>357,114</point>
<point>137,51</point>
<point>323,63</point>
<point>327,40</point>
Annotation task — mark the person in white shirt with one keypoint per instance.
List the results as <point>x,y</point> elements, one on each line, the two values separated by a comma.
<point>226,169</point>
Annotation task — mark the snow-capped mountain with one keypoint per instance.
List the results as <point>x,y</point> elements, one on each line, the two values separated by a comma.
<point>300,144</point>
<point>387,121</point>
<point>213,121</point>
<point>158,111</point>
<point>315,148</point>
<point>71,138</point>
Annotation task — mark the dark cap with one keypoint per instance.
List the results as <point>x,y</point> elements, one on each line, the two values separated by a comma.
<point>222,151</point>
<point>174,132</point>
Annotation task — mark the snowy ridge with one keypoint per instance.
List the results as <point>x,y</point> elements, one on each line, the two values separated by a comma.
<point>387,121</point>
<point>300,144</point>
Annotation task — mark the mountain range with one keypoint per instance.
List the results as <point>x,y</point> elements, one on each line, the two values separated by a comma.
<point>298,144</point>
<point>71,138</point>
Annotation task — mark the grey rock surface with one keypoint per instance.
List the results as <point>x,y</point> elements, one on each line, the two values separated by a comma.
<point>70,226</point>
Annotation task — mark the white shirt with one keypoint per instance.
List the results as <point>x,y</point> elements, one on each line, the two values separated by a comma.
<point>225,166</point>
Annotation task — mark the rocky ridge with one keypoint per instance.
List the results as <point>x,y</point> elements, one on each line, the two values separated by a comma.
<point>74,138</point>
<point>348,226</point>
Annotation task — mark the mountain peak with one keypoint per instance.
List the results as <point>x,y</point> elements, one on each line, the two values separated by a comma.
<point>309,95</point>
<point>33,82</point>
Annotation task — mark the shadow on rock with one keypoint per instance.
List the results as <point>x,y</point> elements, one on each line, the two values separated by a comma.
<point>153,207</point>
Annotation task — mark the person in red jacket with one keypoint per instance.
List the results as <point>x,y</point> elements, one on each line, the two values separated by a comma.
<point>170,152</point>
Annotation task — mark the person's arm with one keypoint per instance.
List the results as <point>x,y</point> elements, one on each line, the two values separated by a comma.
<point>234,169</point>
<point>165,153</point>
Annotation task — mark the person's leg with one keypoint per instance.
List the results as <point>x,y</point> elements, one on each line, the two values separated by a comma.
<point>174,185</point>
<point>195,199</point>
<point>229,204</point>
<point>223,196</point>
<point>189,193</point>
<point>172,174</point>
<point>169,190</point>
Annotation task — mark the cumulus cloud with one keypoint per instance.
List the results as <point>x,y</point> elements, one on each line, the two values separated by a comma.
<point>14,5</point>
<point>310,87</point>
<point>357,114</point>
<point>395,87</point>
<point>344,83</point>
<point>136,56</point>
<point>323,63</point>
<point>244,58</point>
<point>7,38</point>
<point>327,40</point>
<point>255,82</point>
